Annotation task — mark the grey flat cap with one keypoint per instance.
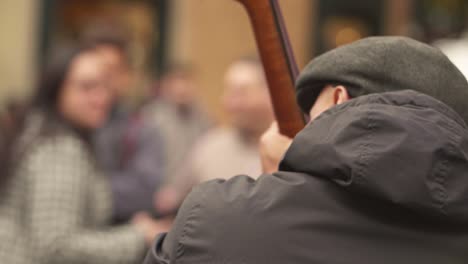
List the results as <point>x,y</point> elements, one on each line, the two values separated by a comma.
<point>379,64</point>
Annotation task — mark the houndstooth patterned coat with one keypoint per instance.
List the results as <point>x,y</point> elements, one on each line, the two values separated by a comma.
<point>57,206</point>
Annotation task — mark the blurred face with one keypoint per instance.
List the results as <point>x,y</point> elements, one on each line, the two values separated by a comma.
<point>85,98</point>
<point>117,69</point>
<point>246,98</point>
<point>178,89</point>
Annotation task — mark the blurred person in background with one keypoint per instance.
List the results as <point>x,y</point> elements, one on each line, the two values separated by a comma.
<point>177,114</point>
<point>55,203</point>
<point>128,148</point>
<point>227,150</point>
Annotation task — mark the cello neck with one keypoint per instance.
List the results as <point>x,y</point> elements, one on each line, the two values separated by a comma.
<point>278,61</point>
<point>284,37</point>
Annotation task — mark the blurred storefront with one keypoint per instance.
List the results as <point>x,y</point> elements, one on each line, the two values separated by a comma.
<point>141,22</point>
<point>340,22</point>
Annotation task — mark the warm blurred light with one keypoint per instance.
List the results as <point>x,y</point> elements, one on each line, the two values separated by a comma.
<point>341,30</point>
<point>347,35</point>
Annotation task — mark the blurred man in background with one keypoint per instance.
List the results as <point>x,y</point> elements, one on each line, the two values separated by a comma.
<point>177,115</point>
<point>228,150</point>
<point>128,149</point>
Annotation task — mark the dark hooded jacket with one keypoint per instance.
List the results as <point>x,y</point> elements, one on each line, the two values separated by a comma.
<point>382,178</point>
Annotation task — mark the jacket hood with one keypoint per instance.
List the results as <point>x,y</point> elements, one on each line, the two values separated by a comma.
<point>402,147</point>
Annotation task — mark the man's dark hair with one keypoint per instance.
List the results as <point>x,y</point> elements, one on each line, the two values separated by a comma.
<point>111,40</point>
<point>178,69</point>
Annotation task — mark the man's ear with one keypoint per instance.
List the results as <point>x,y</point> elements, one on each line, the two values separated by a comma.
<point>340,95</point>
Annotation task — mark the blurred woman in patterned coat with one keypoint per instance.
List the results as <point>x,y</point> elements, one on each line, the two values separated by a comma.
<point>55,205</point>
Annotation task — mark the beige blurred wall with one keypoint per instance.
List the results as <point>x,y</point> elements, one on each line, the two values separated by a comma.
<point>18,20</point>
<point>212,33</point>
<point>207,33</point>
